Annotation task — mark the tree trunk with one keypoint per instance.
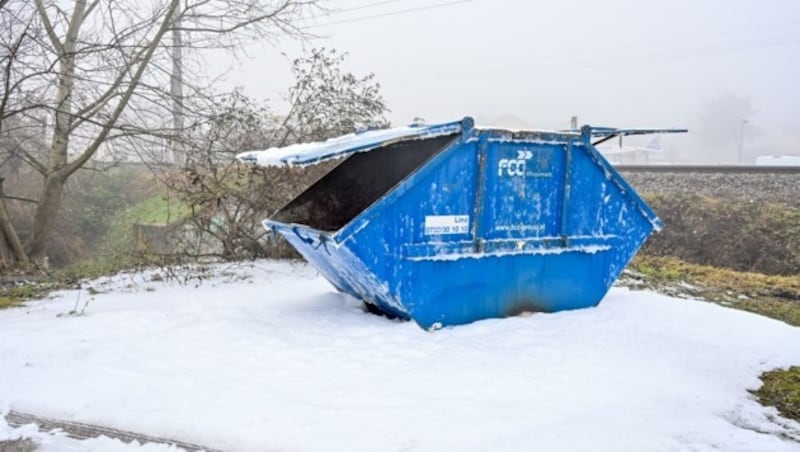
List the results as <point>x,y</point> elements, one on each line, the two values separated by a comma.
<point>179,156</point>
<point>46,218</point>
<point>11,250</point>
<point>49,207</point>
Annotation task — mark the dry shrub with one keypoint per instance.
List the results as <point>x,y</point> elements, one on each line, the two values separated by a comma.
<point>91,200</point>
<point>228,204</point>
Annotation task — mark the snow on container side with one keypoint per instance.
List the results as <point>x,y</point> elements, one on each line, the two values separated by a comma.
<point>448,224</point>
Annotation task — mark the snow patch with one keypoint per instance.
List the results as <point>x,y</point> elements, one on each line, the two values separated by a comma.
<point>271,358</point>
<point>308,153</point>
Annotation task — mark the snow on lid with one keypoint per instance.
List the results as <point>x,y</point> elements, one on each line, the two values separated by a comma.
<point>307,153</point>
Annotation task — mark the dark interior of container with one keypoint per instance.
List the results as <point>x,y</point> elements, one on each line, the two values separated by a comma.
<point>357,183</point>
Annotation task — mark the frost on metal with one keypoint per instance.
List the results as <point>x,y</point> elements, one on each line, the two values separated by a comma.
<point>309,153</point>
<point>451,223</point>
<point>591,249</point>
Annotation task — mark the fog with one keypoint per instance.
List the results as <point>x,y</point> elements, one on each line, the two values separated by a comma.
<point>728,70</point>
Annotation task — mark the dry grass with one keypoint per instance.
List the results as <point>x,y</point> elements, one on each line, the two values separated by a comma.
<point>741,235</point>
<point>781,389</point>
<point>774,296</point>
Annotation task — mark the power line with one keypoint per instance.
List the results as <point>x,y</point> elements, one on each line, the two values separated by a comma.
<point>621,60</point>
<point>343,11</point>
<point>393,13</point>
<point>682,39</point>
<point>364,6</point>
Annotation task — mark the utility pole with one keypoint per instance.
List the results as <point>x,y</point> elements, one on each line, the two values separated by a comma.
<point>176,91</point>
<point>741,139</point>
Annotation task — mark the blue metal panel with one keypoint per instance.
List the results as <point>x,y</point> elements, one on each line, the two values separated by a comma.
<point>524,189</point>
<point>457,291</point>
<point>494,224</point>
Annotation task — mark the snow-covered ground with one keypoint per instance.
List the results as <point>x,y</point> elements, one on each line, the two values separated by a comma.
<point>268,357</point>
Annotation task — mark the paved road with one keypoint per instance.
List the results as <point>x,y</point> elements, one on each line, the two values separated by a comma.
<point>78,430</point>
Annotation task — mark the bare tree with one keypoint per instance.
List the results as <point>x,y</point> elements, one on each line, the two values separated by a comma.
<point>20,42</point>
<point>104,70</point>
<point>233,123</point>
<point>228,200</point>
<point>327,101</point>
<point>19,38</point>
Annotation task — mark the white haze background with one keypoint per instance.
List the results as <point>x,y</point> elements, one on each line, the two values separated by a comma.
<point>518,63</point>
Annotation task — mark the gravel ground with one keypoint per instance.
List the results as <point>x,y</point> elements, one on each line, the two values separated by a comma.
<point>783,188</point>
<point>19,445</point>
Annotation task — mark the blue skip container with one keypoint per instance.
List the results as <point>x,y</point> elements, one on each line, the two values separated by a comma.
<point>447,224</point>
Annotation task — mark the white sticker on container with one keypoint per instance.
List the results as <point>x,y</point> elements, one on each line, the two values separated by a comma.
<point>446,224</point>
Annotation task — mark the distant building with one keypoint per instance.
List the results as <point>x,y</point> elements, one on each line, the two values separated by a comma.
<point>778,160</point>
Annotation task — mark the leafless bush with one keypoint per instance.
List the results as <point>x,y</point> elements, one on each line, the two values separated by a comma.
<point>228,201</point>
<point>228,204</point>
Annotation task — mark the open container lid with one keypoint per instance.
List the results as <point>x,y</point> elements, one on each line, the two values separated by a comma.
<point>311,153</point>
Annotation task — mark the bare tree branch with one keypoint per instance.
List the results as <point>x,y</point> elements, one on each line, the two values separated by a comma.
<point>92,78</point>
<point>28,156</point>
<point>10,60</point>
<point>91,8</point>
<point>48,26</point>
<point>123,102</point>
<point>21,199</point>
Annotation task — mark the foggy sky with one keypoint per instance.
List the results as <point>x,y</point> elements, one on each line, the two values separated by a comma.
<point>612,62</point>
